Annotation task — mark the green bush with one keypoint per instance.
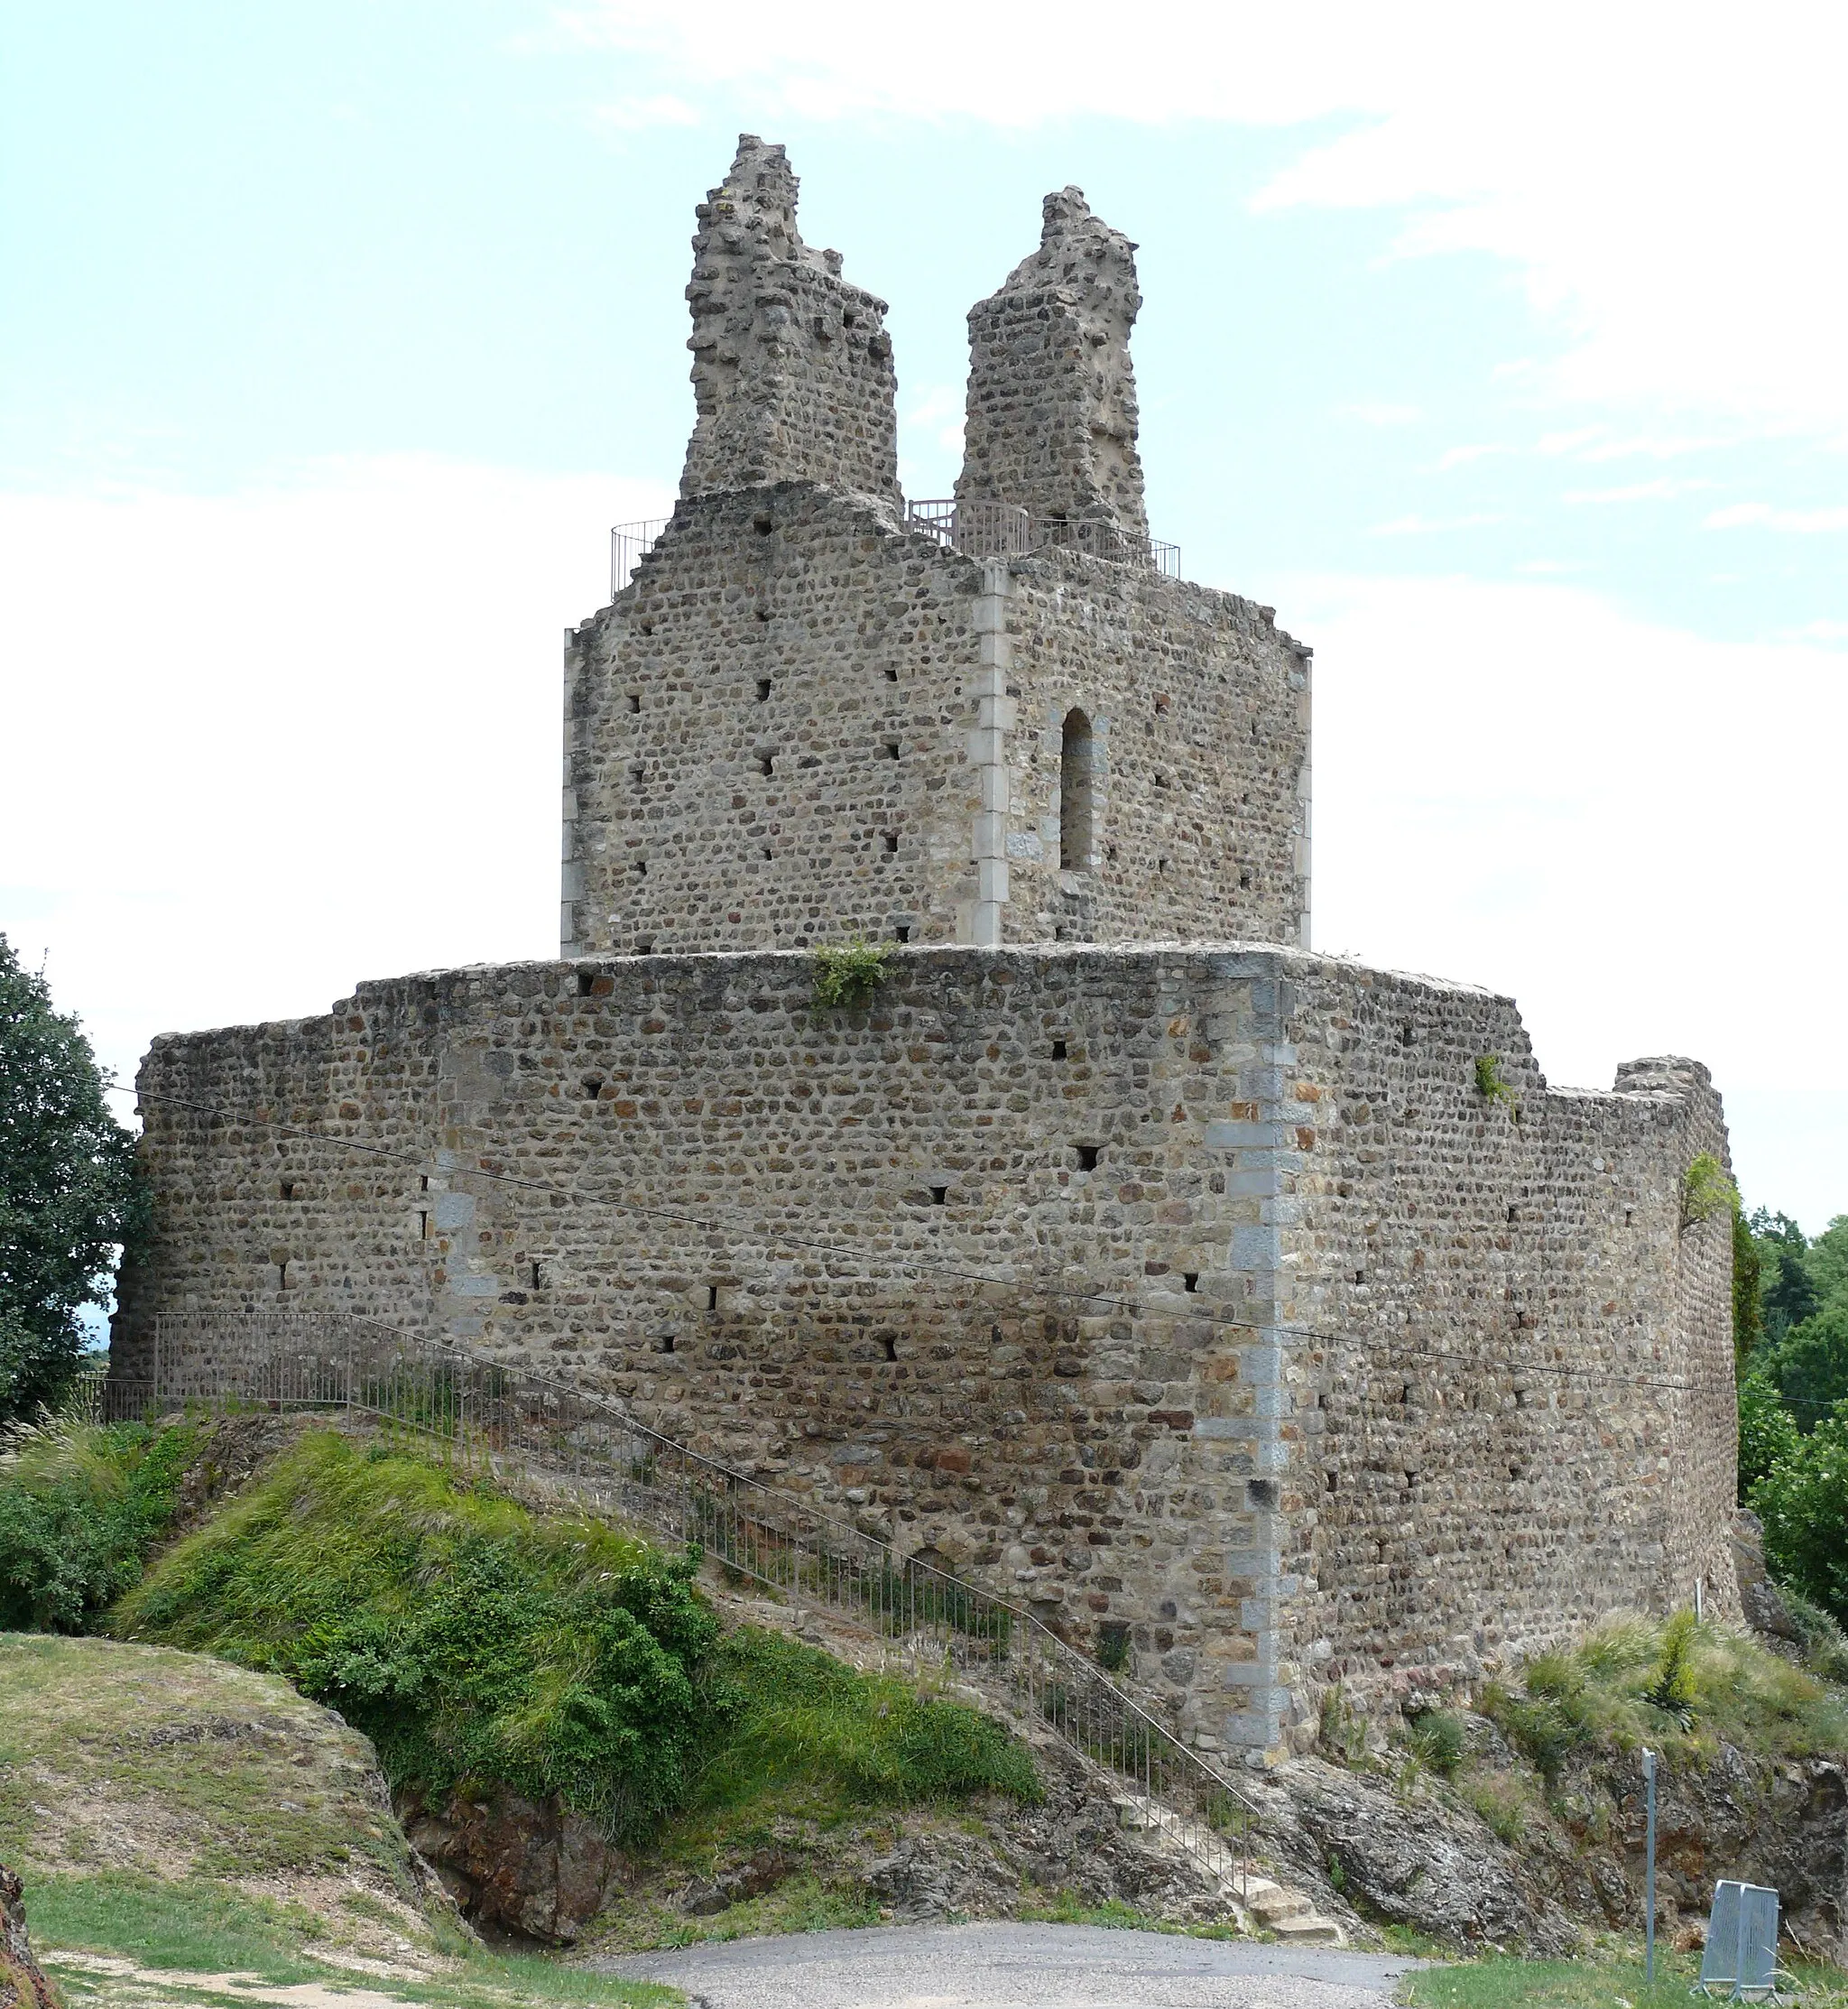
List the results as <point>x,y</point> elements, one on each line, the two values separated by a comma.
<point>469,1639</point>
<point>80,1507</point>
<point>1705,1190</point>
<point>479,1645</point>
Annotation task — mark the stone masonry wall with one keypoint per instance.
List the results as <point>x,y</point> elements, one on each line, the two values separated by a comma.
<point>801,722</point>
<point>1052,413</point>
<point>1208,1142</point>
<point>793,368</point>
<point>1514,1386</point>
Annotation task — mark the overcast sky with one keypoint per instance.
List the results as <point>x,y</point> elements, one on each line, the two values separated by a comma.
<point>1502,350</point>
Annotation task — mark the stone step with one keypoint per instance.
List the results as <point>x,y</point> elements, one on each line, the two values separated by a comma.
<point>1311,1928</point>
<point>1277,1904</point>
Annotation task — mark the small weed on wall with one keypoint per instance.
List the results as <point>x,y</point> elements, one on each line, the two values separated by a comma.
<point>846,974</point>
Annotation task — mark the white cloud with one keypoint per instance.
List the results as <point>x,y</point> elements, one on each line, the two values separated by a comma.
<point>1804,522</point>
<point>1521,786</point>
<point>1384,414</point>
<point>1663,490</point>
<point>1416,525</point>
<point>1463,457</point>
<point>260,746</point>
<point>637,114</point>
<point>1666,177</point>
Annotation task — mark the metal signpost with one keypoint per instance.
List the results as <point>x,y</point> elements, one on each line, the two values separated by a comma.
<point>1649,1782</point>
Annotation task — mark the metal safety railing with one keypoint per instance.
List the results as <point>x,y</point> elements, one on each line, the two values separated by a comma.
<point>1006,530</point>
<point>538,1435</point>
<point>976,528</point>
<point>630,543</point>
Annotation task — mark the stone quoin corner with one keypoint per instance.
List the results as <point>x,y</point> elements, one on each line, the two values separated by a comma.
<point>1263,1317</point>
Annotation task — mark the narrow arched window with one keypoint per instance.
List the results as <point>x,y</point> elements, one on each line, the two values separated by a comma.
<point>1075,844</point>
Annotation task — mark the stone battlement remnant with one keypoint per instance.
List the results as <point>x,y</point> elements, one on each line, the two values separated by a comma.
<point>1263,1320</point>
<point>1052,393</point>
<point>792,370</point>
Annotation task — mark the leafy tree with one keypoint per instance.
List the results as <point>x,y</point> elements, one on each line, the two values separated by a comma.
<point>1788,1292</point>
<point>68,1195</point>
<point>1766,1431</point>
<point>1803,1501</point>
<point>1827,1262</point>
<point>1809,1365</point>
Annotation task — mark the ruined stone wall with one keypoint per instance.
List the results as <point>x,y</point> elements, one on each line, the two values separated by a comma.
<point>793,368</point>
<point>913,758</point>
<point>1051,417</point>
<point>738,1214</point>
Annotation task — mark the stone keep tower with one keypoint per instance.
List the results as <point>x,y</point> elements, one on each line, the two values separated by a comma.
<point>817,712</point>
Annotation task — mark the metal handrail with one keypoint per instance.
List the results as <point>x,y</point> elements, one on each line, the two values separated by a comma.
<point>565,1443</point>
<point>1006,530</point>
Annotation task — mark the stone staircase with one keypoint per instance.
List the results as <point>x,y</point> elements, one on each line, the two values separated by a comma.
<point>1264,1903</point>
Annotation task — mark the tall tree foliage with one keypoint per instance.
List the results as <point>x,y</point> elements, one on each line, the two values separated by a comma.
<point>69,1196</point>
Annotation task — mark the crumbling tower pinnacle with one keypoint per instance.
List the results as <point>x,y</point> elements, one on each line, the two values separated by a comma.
<point>1052,395</point>
<point>792,369</point>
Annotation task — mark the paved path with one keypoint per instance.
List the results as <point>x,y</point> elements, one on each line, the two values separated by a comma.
<point>1016,1966</point>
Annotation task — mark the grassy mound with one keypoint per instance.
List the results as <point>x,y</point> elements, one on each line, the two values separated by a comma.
<point>131,1770</point>
<point>478,1643</point>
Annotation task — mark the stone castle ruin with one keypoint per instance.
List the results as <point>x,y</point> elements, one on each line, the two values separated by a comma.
<point>1262,1319</point>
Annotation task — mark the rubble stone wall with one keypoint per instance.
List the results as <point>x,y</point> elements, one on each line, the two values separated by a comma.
<point>1045,1264</point>
<point>878,674</point>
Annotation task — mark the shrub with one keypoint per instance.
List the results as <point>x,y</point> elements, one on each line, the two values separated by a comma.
<point>80,1507</point>
<point>1490,1084</point>
<point>1501,1800</point>
<point>1671,1687</point>
<point>1705,1190</point>
<point>846,974</point>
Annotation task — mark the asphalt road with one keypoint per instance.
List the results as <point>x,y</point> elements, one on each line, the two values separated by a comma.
<point>1015,1967</point>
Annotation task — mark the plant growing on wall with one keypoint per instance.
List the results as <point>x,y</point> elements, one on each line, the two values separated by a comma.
<point>1705,1190</point>
<point>1490,1084</point>
<point>847,973</point>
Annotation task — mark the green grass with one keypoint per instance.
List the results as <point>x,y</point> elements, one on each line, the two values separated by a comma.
<point>195,1924</point>
<point>1612,1981</point>
<point>197,1927</point>
<point>80,1507</point>
<point>797,1719</point>
<point>1681,1687</point>
<point>211,1770</point>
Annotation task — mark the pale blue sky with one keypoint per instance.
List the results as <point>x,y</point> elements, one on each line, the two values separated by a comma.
<point>333,336</point>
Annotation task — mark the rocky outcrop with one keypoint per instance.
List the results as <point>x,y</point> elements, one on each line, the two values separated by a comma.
<point>531,1867</point>
<point>23,1983</point>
